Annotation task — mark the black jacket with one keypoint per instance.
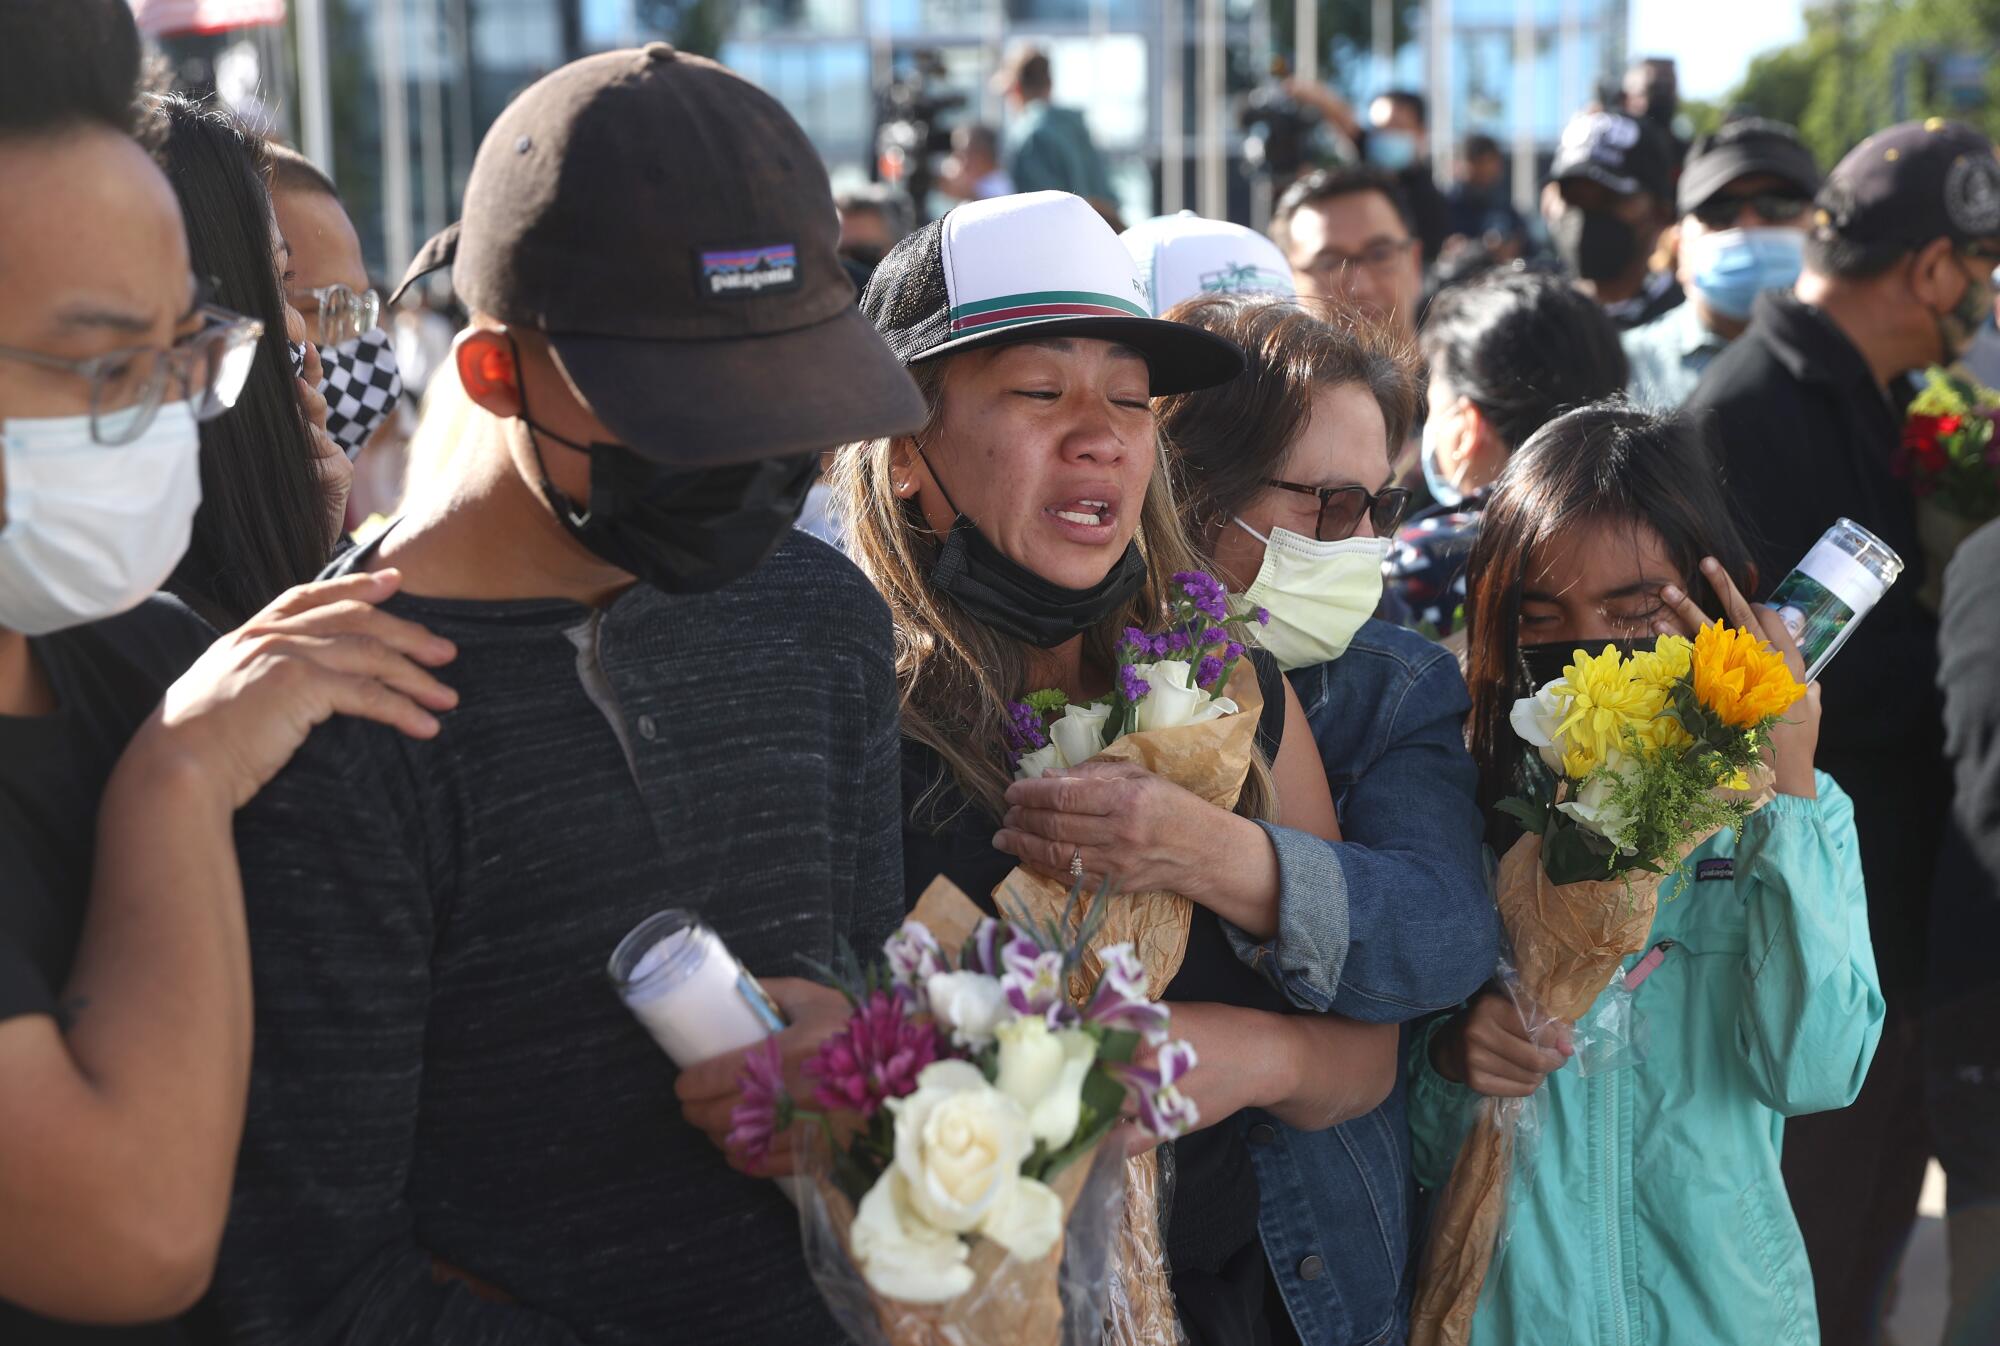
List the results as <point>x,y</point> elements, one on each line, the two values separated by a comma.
<point>1807,436</point>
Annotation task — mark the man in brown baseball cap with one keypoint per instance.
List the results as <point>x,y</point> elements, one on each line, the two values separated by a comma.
<point>668,698</point>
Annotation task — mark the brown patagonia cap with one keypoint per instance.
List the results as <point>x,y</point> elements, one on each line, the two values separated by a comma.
<point>670,229</point>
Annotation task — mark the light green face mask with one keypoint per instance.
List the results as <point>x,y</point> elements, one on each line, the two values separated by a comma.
<point>1318,593</point>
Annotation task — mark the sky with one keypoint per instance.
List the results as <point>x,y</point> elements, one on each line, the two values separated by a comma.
<point>1712,41</point>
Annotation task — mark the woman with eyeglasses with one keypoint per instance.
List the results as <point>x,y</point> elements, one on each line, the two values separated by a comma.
<point>1015,539</point>
<point>1282,477</point>
<point>127,740</point>
<point>274,483</point>
<point>1507,353</point>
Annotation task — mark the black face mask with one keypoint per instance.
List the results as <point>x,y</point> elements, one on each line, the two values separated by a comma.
<point>1595,244</point>
<point>1002,593</point>
<point>1542,663</point>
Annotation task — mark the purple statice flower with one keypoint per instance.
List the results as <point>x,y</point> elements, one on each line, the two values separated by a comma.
<point>1263,616</point>
<point>1205,591</point>
<point>1207,671</point>
<point>1235,650</point>
<point>1138,640</point>
<point>1163,1109</point>
<point>876,1057</point>
<point>1177,642</point>
<point>1132,685</point>
<point>1120,999</point>
<point>982,948</point>
<point>1215,635</point>
<point>1023,729</point>
<point>765,1109</point>
<point>914,958</point>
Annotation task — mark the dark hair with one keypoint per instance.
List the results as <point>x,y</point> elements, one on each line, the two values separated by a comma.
<point>1410,101</point>
<point>1030,70</point>
<point>1223,442</point>
<point>1330,184</point>
<point>263,523</point>
<point>1523,346</point>
<point>1608,461</point>
<point>67,63</point>
<point>1833,254</point>
<point>291,171</point>
<point>983,138</point>
<point>885,203</point>
<point>1478,145</point>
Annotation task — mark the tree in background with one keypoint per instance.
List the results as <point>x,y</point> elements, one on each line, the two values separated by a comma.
<point>1867,64</point>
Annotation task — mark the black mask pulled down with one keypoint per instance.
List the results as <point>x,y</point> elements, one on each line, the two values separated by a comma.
<point>1542,663</point>
<point>1594,244</point>
<point>1002,593</point>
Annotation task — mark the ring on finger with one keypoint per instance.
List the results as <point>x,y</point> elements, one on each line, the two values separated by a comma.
<point>1076,863</point>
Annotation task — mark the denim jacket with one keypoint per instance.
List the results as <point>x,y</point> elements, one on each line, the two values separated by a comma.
<point>1391,923</point>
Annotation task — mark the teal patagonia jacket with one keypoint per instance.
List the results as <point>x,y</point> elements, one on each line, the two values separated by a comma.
<point>1653,1213</point>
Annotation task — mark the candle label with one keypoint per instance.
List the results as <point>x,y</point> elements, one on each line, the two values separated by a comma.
<point>760,1002</point>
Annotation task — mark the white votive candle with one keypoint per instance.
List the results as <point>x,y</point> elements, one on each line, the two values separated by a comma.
<point>680,981</point>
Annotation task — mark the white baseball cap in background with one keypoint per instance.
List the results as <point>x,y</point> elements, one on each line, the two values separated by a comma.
<point>1183,256</point>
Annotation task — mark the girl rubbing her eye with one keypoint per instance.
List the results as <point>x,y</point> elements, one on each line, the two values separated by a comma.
<point>1759,991</point>
<point>1282,477</point>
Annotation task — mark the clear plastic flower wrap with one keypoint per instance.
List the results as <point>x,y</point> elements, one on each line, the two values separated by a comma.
<point>1062,1297</point>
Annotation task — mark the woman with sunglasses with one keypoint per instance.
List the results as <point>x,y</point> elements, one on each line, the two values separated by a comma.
<point>1283,478</point>
<point>274,483</point>
<point>1015,539</point>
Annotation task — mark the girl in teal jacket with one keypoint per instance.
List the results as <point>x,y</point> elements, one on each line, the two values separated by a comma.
<point>1653,1212</point>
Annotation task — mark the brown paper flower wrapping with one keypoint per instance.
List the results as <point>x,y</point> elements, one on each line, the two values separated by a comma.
<point>1211,760</point>
<point>1567,941</point>
<point>1011,1303</point>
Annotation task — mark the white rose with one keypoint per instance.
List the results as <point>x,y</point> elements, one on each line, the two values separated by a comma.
<point>1029,1225</point>
<point>1043,759</point>
<point>1174,699</point>
<point>1593,808</point>
<point>968,1003</point>
<point>1044,1073</point>
<point>1535,719</point>
<point>901,1255</point>
<point>959,1146</point>
<point>1080,732</point>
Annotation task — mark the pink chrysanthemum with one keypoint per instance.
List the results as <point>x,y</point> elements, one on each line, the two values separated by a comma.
<point>876,1057</point>
<point>765,1109</point>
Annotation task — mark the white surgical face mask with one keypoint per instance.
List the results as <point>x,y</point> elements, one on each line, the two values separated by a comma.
<point>1318,593</point>
<point>92,530</point>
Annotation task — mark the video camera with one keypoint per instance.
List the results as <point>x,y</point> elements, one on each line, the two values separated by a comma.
<point>909,133</point>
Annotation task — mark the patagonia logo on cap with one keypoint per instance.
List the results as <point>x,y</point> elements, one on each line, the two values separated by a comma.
<point>1705,870</point>
<point>743,272</point>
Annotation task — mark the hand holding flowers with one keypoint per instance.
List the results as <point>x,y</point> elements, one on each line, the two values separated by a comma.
<point>711,1091</point>
<point>1794,738</point>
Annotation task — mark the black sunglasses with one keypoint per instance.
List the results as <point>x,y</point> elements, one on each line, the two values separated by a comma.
<point>1721,212</point>
<point>1341,508</point>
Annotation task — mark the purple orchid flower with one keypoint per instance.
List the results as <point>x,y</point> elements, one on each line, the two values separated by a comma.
<point>1164,1110</point>
<point>983,947</point>
<point>914,958</point>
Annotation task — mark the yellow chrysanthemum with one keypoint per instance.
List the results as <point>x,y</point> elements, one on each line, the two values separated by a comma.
<point>1665,664</point>
<point>1605,702</point>
<point>1740,677</point>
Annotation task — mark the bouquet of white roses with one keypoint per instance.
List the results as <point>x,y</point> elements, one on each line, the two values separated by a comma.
<point>959,1115</point>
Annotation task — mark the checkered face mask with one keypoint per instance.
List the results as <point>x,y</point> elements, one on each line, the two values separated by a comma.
<point>361,388</point>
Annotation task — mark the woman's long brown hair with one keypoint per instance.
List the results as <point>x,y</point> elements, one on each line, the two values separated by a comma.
<point>1607,461</point>
<point>957,675</point>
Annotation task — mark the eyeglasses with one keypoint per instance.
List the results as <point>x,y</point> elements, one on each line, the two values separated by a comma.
<point>1377,257</point>
<point>1721,212</point>
<point>338,314</point>
<point>1341,508</point>
<point>128,387</point>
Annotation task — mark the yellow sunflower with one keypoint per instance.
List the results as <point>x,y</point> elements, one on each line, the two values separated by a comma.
<point>1665,664</point>
<point>1605,701</point>
<point>1740,677</point>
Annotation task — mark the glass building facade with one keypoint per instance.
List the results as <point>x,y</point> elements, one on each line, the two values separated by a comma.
<point>411,85</point>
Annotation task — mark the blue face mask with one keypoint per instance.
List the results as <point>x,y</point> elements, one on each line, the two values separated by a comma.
<point>1732,267</point>
<point>1392,150</point>
<point>1443,489</point>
